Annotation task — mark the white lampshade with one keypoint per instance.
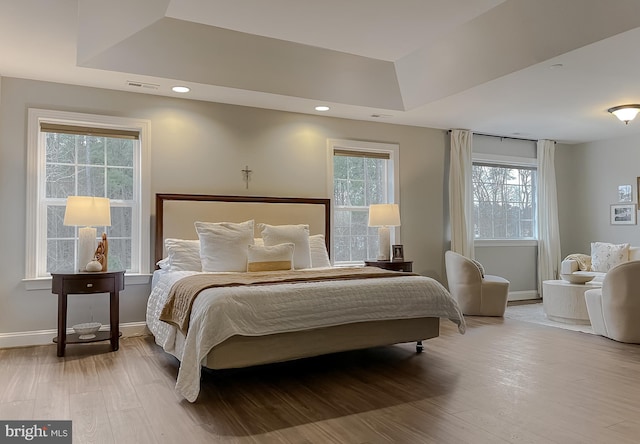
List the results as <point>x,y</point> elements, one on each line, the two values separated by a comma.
<point>384,215</point>
<point>625,113</point>
<point>87,212</point>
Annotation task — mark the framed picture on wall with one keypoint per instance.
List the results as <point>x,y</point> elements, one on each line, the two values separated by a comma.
<point>623,214</point>
<point>624,193</point>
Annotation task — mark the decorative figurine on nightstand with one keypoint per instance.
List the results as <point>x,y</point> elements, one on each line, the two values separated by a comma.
<point>102,253</point>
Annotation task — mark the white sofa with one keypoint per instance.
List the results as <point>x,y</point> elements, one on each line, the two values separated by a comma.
<point>571,266</point>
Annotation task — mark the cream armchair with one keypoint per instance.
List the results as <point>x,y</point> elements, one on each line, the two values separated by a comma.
<point>476,294</point>
<point>614,309</point>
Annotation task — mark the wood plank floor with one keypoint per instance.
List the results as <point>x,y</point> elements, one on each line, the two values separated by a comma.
<point>503,381</point>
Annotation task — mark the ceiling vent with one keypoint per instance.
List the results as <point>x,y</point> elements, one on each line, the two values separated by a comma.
<point>142,85</point>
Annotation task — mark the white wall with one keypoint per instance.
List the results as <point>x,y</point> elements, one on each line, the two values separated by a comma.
<point>200,147</point>
<point>588,176</point>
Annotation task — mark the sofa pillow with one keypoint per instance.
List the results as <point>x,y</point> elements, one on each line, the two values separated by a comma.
<point>277,257</point>
<point>223,245</point>
<point>605,256</point>
<point>183,255</point>
<point>296,234</point>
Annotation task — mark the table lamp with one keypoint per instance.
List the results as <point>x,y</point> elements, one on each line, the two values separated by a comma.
<point>87,212</point>
<point>384,216</point>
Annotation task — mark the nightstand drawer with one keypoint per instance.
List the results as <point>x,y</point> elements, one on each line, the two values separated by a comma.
<point>88,285</point>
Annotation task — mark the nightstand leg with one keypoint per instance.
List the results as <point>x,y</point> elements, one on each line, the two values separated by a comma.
<point>114,320</point>
<point>62,323</point>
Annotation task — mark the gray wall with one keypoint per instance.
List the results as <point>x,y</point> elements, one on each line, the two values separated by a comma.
<point>517,264</point>
<point>588,176</point>
<point>200,147</point>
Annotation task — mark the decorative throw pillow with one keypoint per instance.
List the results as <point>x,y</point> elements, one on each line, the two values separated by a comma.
<point>277,257</point>
<point>319,254</point>
<point>480,267</point>
<point>296,234</point>
<point>183,255</point>
<point>605,256</point>
<point>223,245</point>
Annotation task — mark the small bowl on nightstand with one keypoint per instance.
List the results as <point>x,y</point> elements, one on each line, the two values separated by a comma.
<point>87,330</point>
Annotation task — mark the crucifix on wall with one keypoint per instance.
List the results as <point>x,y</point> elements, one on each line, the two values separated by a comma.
<point>247,175</point>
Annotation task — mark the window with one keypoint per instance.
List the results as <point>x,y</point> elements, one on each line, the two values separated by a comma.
<point>504,201</point>
<point>86,155</point>
<point>363,173</point>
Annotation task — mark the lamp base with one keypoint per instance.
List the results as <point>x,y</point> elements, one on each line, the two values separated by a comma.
<point>86,247</point>
<point>384,244</point>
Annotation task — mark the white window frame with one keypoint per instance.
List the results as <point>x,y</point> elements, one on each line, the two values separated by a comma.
<point>507,161</point>
<point>393,185</point>
<point>36,220</point>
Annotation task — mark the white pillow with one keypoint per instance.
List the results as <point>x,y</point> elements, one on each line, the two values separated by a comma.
<point>164,264</point>
<point>277,257</point>
<point>296,234</point>
<point>605,256</point>
<point>183,255</point>
<point>223,245</point>
<point>319,254</point>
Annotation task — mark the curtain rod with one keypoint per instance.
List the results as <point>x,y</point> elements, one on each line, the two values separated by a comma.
<point>501,137</point>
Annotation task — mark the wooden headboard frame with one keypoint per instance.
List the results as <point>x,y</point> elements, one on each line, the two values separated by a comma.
<point>162,198</point>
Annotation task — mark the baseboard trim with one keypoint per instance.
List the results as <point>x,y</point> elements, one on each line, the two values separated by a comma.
<point>523,295</point>
<point>45,337</point>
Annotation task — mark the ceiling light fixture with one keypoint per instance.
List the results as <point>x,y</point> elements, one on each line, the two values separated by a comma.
<point>322,108</point>
<point>625,112</point>
<point>181,89</point>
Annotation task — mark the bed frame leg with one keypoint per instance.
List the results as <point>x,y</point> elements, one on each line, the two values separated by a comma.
<point>419,347</point>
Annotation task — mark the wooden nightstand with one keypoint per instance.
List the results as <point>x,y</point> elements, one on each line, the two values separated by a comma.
<point>405,266</point>
<point>64,284</point>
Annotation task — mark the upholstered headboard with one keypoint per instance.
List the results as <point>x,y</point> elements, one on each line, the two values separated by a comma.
<point>176,213</point>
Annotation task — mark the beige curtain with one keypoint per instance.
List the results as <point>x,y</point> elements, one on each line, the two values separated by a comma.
<point>549,256</point>
<point>460,193</point>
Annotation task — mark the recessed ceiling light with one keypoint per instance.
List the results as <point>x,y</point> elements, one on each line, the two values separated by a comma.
<point>322,108</point>
<point>181,89</point>
<point>556,66</point>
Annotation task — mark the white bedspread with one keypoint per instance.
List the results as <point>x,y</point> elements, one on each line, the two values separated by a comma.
<point>219,313</point>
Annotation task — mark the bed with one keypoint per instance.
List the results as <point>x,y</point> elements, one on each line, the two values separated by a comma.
<point>282,315</point>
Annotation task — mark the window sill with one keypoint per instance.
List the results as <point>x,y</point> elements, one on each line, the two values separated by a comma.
<point>44,283</point>
<point>505,243</point>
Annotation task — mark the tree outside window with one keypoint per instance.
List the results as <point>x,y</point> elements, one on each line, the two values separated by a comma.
<point>504,203</point>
